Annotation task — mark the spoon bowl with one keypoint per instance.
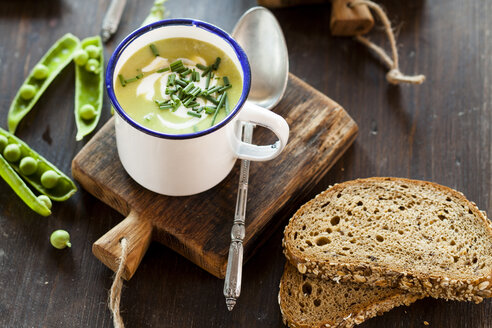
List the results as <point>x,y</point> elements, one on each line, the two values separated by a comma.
<point>261,37</point>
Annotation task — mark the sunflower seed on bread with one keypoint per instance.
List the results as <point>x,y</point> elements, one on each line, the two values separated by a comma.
<point>408,234</point>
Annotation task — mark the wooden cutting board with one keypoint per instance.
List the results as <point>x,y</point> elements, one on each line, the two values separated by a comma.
<point>198,227</point>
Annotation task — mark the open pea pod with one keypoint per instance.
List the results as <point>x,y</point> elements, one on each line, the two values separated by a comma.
<point>64,186</point>
<point>89,85</point>
<point>21,189</point>
<point>40,77</point>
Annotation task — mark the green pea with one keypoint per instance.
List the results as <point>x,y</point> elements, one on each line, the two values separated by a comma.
<point>45,200</point>
<point>87,112</point>
<point>3,142</point>
<point>93,51</point>
<point>92,65</point>
<point>28,165</point>
<point>60,239</point>
<point>80,57</point>
<point>12,153</point>
<point>49,179</point>
<point>27,91</point>
<point>40,71</point>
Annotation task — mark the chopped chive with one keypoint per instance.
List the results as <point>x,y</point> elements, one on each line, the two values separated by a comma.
<point>202,67</point>
<point>154,49</point>
<point>224,88</point>
<point>181,82</point>
<point>170,91</point>
<point>196,76</point>
<point>193,104</point>
<point>209,109</point>
<point>222,100</point>
<point>215,65</point>
<point>214,89</point>
<point>177,103</point>
<point>166,107</point>
<point>122,80</point>
<point>191,113</point>
<point>195,91</point>
<point>180,94</point>
<point>207,82</point>
<point>208,70</point>
<point>162,70</point>
<point>139,76</point>
<point>176,64</point>
<point>180,69</point>
<point>212,99</point>
<point>219,106</point>
<point>185,72</point>
<point>226,104</point>
<point>188,100</point>
<point>199,110</point>
<point>133,79</point>
<point>170,79</point>
<point>226,80</point>
<point>189,87</point>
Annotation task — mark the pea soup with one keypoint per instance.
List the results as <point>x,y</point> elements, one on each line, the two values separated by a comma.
<point>178,85</point>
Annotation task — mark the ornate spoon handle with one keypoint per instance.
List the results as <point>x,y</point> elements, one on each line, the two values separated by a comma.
<point>232,283</point>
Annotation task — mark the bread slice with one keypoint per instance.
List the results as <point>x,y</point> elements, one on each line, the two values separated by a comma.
<point>307,302</point>
<point>414,235</point>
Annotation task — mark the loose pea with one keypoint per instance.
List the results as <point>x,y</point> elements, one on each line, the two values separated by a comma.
<point>3,142</point>
<point>81,57</point>
<point>28,165</point>
<point>49,179</point>
<point>12,153</point>
<point>92,65</point>
<point>27,91</point>
<point>87,112</point>
<point>93,51</point>
<point>40,71</point>
<point>60,239</point>
<point>46,200</point>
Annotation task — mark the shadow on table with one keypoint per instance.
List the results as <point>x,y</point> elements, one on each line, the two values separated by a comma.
<point>17,9</point>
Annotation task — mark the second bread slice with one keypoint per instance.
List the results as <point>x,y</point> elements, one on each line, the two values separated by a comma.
<point>410,234</point>
<point>314,303</point>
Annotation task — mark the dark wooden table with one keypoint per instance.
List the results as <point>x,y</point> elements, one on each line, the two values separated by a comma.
<point>439,131</point>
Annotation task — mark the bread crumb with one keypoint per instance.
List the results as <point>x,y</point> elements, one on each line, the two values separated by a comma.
<point>426,323</point>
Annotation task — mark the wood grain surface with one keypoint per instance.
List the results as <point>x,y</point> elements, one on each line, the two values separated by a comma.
<point>439,131</point>
<point>199,226</point>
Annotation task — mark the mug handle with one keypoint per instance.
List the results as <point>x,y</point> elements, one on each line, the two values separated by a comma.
<point>261,116</point>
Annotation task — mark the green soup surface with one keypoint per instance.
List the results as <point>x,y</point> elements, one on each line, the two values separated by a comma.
<point>178,85</point>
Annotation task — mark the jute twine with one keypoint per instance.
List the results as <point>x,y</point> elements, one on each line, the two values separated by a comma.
<point>117,286</point>
<point>394,76</point>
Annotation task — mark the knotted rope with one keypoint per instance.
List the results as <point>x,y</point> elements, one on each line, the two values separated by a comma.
<point>394,76</point>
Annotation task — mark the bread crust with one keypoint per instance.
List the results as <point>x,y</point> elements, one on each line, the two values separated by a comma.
<point>437,286</point>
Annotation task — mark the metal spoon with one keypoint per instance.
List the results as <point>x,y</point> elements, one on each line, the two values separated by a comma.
<point>260,35</point>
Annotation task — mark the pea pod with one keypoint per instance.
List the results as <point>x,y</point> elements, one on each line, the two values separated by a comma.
<point>89,85</point>
<point>62,189</point>
<point>157,12</point>
<point>45,71</point>
<point>21,189</point>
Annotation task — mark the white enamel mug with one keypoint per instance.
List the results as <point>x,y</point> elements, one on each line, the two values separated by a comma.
<point>186,164</point>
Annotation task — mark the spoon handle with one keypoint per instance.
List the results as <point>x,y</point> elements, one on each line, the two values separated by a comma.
<point>232,283</point>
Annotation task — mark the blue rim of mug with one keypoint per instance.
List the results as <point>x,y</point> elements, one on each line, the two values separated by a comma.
<point>241,55</point>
